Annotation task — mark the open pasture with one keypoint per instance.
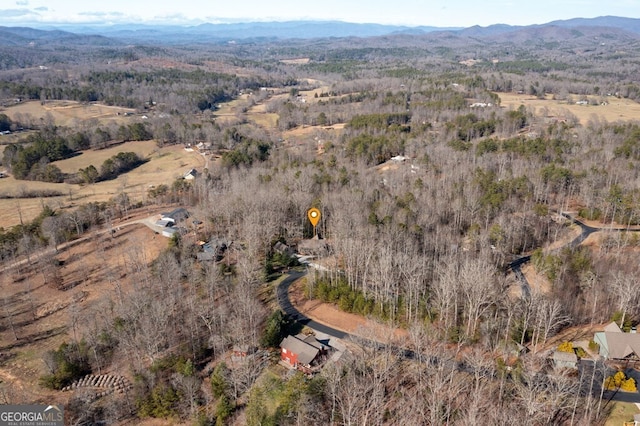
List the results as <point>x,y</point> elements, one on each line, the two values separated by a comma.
<point>613,109</point>
<point>68,113</point>
<point>164,166</point>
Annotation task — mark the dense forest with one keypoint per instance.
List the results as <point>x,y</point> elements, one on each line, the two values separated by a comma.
<point>429,190</point>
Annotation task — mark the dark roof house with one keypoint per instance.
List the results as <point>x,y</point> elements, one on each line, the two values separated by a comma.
<point>301,351</point>
<point>213,250</point>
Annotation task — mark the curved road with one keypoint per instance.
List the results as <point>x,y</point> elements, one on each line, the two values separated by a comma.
<point>288,308</point>
<point>282,293</point>
<point>586,231</point>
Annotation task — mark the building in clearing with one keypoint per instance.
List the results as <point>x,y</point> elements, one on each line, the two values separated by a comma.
<point>615,344</point>
<point>563,359</point>
<point>190,175</point>
<point>168,232</point>
<point>176,215</point>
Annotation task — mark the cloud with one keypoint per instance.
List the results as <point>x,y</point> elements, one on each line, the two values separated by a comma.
<point>101,14</point>
<point>14,13</point>
<point>41,9</point>
<point>22,2</point>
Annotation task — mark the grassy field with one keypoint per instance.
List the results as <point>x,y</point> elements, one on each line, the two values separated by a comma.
<point>164,166</point>
<point>614,110</point>
<point>71,165</point>
<point>67,113</point>
<point>620,413</point>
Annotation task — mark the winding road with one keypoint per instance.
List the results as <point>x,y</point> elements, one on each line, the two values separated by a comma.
<point>287,307</point>
<point>282,293</point>
<point>586,230</point>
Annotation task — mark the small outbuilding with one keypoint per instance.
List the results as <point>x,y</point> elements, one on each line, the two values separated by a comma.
<point>563,359</point>
<point>168,232</point>
<point>190,175</point>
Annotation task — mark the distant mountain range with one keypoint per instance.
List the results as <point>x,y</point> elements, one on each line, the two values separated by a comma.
<point>24,36</point>
<point>255,31</point>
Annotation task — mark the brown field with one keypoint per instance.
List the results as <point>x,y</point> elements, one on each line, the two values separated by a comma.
<point>164,166</point>
<point>266,120</point>
<point>297,61</point>
<point>42,314</point>
<point>615,109</point>
<point>67,113</point>
<point>621,412</point>
<point>14,137</point>
<point>258,114</point>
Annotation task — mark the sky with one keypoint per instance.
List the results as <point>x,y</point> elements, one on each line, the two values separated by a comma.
<point>438,13</point>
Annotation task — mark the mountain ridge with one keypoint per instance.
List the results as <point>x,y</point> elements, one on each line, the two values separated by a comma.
<point>273,30</point>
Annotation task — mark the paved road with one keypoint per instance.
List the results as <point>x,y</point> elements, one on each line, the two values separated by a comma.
<point>585,367</point>
<point>289,309</point>
<point>586,231</point>
<point>595,371</point>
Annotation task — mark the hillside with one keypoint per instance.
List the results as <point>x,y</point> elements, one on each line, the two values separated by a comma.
<point>396,229</point>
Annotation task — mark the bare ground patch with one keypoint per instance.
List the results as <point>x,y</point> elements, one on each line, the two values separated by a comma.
<point>42,316</point>
<point>67,113</point>
<point>329,314</point>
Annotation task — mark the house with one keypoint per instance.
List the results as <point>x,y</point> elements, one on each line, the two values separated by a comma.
<point>177,215</point>
<point>204,147</point>
<point>302,352</point>
<point>190,175</point>
<point>282,248</point>
<point>615,344</point>
<point>213,250</point>
<point>313,247</point>
<point>164,223</point>
<point>563,359</point>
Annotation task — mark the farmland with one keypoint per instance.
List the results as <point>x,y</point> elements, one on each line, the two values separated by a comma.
<point>67,113</point>
<point>164,166</point>
<point>607,108</point>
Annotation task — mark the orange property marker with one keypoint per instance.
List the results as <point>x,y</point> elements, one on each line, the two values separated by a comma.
<point>314,216</point>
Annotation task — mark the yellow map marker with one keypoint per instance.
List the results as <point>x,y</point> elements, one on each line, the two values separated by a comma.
<point>314,216</point>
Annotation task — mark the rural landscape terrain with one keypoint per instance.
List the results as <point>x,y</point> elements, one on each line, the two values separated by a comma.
<point>473,259</point>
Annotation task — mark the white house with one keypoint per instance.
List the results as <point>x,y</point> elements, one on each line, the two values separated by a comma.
<point>190,175</point>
